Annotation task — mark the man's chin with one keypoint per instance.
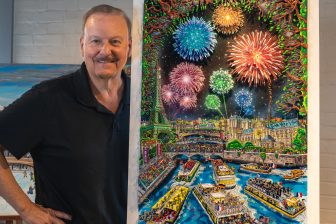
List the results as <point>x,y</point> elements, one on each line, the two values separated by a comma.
<point>106,75</point>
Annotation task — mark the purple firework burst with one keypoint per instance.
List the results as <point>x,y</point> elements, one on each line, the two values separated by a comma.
<point>188,102</point>
<point>187,79</point>
<point>168,95</point>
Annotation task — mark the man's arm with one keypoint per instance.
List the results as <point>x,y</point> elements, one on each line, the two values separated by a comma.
<point>14,195</point>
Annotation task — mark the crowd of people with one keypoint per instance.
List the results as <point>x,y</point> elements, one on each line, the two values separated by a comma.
<point>228,205</point>
<point>282,194</point>
<point>187,167</point>
<point>167,215</point>
<point>195,148</point>
<point>151,171</point>
<point>237,219</point>
<point>221,168</point>
<point>267,186</point>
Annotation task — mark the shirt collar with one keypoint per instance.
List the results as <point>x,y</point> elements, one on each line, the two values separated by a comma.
<point>85,96</point>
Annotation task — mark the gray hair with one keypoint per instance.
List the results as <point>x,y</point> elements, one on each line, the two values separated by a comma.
<point>108,9</point>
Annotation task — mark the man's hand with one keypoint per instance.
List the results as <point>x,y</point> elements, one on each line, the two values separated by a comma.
<point>13,194</point>
<point>35,214</point>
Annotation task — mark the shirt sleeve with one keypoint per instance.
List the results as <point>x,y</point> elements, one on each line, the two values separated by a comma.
<point>21,123</point>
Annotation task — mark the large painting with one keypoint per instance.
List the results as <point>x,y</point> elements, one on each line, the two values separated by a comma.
<point>223,134</point>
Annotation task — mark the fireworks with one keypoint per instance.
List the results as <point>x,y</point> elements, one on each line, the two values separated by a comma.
<point>221,82</point>
<point>212,102</point>
<point>168,95</point>
<point>195,39</point>
<point>256,58</point>
<point>249,111</point>
<point>188,101</point>
<point>243,98</point>
<point>227,20</point>
<point>187,78</point>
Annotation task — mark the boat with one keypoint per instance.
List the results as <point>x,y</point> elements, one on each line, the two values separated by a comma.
<point>224,175</point>
<point>294,174</point>
<point>222,206</point>
<point>256,168</point>
<point>275,196</point>
<point>168,207</point>
<point>188,171</point>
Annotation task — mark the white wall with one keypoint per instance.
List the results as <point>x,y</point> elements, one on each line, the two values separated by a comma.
<point>328,110</point>
<point>6,22</point>
<point>47,31</point>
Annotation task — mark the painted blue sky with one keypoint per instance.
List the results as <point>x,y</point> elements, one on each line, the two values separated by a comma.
<point>18,78</point>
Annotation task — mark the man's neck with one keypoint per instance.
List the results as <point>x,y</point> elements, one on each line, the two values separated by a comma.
<point>108,92</point>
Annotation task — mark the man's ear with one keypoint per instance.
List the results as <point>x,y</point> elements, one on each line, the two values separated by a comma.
<point>129,48</point>
<point>81,42</point>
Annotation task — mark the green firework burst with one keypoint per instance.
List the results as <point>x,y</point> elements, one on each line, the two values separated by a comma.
<point>221,82</point>
<point>212,102</point>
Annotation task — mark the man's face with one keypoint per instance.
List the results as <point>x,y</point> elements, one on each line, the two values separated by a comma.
<point>105,45</point>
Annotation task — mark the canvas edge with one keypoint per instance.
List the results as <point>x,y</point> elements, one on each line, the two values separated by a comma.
<point>313,191</point>
<point>135,112</point>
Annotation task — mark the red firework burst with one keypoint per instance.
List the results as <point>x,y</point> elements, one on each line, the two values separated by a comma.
<point>188,101</point>
<point>256,58</point>
<point>187,78</point>
<point>168,95</point>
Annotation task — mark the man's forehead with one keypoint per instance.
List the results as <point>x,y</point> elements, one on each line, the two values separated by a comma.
<point>97,22</point>
<point>97,36</point>
<point>105,17</point>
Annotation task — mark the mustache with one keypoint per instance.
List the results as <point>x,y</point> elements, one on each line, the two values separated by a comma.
<point>111,59</point>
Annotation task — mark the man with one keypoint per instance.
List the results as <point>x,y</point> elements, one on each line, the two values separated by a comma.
<point>76,128</point>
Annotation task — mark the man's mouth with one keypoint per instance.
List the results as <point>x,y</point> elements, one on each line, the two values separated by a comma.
<point>105,61</point>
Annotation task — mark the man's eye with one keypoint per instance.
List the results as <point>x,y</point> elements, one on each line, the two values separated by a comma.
<point>116,41</point>
<point>95,41</point>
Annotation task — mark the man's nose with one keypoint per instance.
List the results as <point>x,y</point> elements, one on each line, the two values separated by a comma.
<point>106,48</point>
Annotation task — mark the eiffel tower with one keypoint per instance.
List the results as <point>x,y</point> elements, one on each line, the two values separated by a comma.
<point>158,122</point>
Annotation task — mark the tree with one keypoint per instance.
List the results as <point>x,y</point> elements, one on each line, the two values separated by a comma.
<point>300,141</point>
<point>152,152</point>
<point>249,146</point>
<point>263,156</point>
<point>234,145</point>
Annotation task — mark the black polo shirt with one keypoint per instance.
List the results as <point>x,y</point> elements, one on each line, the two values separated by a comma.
<point>79,148</point>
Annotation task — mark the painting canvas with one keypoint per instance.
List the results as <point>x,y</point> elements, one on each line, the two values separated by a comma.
<point>223,133</point>
<point>14,81</point>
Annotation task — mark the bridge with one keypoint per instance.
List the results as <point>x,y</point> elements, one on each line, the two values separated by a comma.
<point>204,134</point>
<point>191,154</point>
<point>23,161</point>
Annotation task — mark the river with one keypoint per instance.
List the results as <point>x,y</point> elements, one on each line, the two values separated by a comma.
<point>192,212</point>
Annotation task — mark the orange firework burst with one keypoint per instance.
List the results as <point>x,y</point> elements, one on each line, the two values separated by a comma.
<point>256,58</point>
<point>227,20</point>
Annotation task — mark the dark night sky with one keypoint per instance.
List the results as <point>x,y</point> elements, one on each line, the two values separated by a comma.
<point>170,59</point>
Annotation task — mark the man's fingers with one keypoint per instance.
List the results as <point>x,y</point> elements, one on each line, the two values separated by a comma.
<point>61,215</point>
<point>55,220</point>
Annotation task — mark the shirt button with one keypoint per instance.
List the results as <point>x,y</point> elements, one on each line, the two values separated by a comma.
<point>116,126</point>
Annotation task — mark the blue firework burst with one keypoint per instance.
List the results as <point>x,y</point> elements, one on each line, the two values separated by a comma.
<point>195,39</point>
<point>243,98</point>
<point>249,111</point>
